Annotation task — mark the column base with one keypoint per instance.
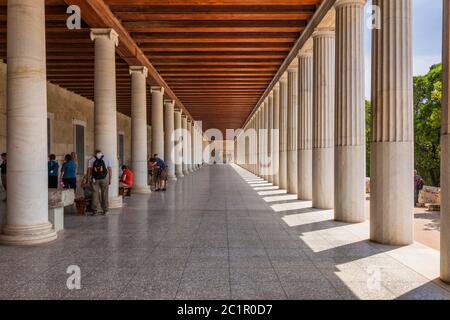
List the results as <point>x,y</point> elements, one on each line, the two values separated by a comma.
<point>172,178</point>
<point>116,202</point>
<point>142,189</point>
<point>180,175</point>
<point>185,173</point>
<point>15,235</point>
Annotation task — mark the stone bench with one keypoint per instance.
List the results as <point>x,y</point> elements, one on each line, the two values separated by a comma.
<point>57,200</point>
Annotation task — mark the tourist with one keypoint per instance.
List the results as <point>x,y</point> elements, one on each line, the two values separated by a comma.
<point>126,180</point>
<point>3,172</point>
<point>69,173</point>
<point>159,169</point>
<point>53,172</point>
<point>418,185</point>
<point>100,173</point>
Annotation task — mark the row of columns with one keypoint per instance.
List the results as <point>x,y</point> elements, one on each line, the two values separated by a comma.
<point>27,207</point>
<point>320,114</point>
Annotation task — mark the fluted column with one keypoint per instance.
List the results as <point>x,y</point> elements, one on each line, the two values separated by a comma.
<point>445,147</point>
<point>265,126</point>
<point>283,131</point>
<point>105,111</point>
<point>191,166</point>
<point>305,104</point>
<point>350,151</point>
<point>276,135</point>
<point>158,121</point>
<point>178,144</point>
<point>258,142</point>
<point>323,118</point>
<point>391,185</point>
<point>185,144</point>
<point>189,145</point>
<point>139,129</point>
<point>292,128</point>
<point>169,126</point>
<point>269,136</point>
<point>27,209</point>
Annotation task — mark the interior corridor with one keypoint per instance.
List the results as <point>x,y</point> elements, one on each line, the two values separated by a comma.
<point>220,233</point>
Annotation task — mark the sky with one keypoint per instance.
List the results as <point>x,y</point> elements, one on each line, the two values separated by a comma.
<point>427,38</point>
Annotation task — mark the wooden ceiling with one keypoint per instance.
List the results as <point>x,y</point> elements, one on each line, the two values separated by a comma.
<point>217,56</point>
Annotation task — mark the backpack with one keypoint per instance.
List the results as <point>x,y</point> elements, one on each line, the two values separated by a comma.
<point>99,170</point>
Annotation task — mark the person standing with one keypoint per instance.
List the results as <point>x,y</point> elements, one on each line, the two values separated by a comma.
<point>3,172</point>
<point>69,173</point>
<point>159,167</point>
<point>53,172</point>
<point>100,173</point>
<point>418,185</point>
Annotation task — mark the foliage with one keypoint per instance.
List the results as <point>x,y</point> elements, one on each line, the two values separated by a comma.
<point>427,124</point>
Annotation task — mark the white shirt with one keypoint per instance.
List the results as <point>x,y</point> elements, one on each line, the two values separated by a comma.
<point>105,160</point>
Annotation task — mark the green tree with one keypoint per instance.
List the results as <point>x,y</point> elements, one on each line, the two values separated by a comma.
<point>427,124</point>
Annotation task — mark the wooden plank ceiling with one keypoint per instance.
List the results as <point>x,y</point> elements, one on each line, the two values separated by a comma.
<point>217,56</point>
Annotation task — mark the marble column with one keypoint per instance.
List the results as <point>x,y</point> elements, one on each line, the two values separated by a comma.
<point>292,133</point>
<point>323,118</point>
<point>169,145</point>
<point>283,132</point>
<point>178,144</point>
<point>189,127</point>
<point>139,129</point>
<point>158,121</point>
<point>269,137</point>
<point>105,110</point>
<point>350,151</point>
<point>258,141</point>
<point>445,146</point>
<point>391,185</point>
<point>192,145</point>
<point>185,144</point>
<point>305,110</point>
<point>27,209</point>
<point>276,134</point>
<point>265,126</point>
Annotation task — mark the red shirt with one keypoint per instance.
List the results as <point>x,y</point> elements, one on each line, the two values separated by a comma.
<point>127,177</point>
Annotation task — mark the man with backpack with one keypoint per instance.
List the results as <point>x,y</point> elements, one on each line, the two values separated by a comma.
<point>100,173</point>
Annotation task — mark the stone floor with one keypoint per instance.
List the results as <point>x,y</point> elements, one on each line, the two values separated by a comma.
<point>220,233</point>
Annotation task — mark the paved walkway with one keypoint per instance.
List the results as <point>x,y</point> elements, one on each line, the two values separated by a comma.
<point>220,233</point>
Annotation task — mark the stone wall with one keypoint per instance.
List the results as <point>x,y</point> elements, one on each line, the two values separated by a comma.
<point>65,109</point>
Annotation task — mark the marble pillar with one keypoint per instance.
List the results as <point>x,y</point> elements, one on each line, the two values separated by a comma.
<point>105,110</point>
<point>269,137</point>
<point>178,144</point>
<point>185,144</point>
<point>323,118</point>
<point>191,168</point>
<point>276,134</point>
<point>283,132</point>
<point>350,151</point>
<point>265,126</point>
<point>445,146</point>
<point>139,129</point>
<point>27,209</point>
<point>292,129</point>
<point>169,145</point>
<point>305,110</point>
<point>391,185</point>
<point>158,121</point>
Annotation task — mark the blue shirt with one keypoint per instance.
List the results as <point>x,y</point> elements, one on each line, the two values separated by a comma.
<point>160,163</point>
<point>69,169</point>
<point>53,168</point>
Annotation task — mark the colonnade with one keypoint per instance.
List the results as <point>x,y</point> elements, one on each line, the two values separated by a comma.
<point>27,207</point>
<point>320,115</point>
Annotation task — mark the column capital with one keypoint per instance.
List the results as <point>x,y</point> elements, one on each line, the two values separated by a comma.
<point>156,89</point>
<point>276,87</point>
<point>324,32</point>
<point>341,3</point>
<point>307,53</point>
<point>184,116</point>
<point>139,70</point>
<point>177,109</point>
<point>293,67</point>
<point>189,120</point>
<point>108,33</point>
<point>283,78</point>
<point>270,95</point>
<point>170,102</point>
